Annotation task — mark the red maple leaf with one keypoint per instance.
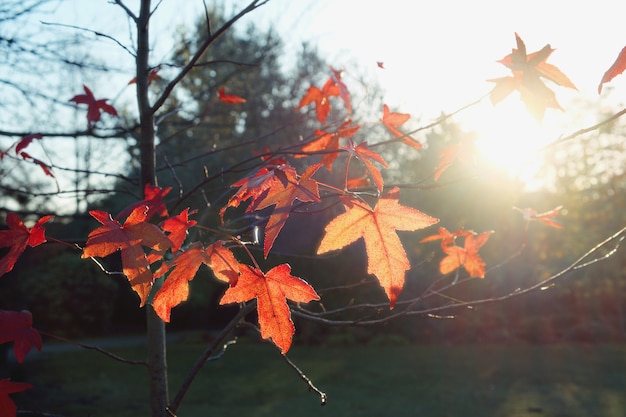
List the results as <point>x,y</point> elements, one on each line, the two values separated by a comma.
<point>467,256</point>
<point>130,239</point>
<point>380,64</point>
<point>616,69</point>
<point>278,187</point>
<point>47,169</point>
<point>527,73</point>
<point>329,141</point>
<point>464,151</point>
<point>17,327</point>
<point>94,107</point>
<point>18,237</point>
<point>546,218</point>
<point>183,269</point>
<point>320,98</point>
<point>343,89</point>
<point>446,237</point>
<point>153,199</point>
<point>393,120</point>
<point>271,289</point>
<point>229,98</point>
<point>177,227</point>
<point>153,75</point>
<point>25,141</point>
<point>367,158</point>
<point>386,258</point>
<point>7,406</point>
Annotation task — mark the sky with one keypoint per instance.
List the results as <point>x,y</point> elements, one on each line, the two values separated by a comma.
<point>437,55</point>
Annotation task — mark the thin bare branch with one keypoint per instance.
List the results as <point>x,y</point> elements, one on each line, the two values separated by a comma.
<point>94,348</point>
<point>95,32</point>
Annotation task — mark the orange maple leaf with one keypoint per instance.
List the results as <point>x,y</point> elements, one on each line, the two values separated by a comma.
<point>464,151</point>
<point>153,200</point>
<point>616,69</point>
<point>446,237</point>
<point>183,269</point>
<point>386,258</point>
<point>320,98</point>
<point>130,240</point>
<point>329,141</point>
<point>271,289</point>
<point>545,217</point>
<point>177,227</point>
<point>153,75</point>
<point>367,158</point>
<point>229,98</point>
<point>393,120</point>
<point>343,89</point>
<point>467,256</point>
<point>18,237</point>
<point>278,187</point>
<point>527,73</point>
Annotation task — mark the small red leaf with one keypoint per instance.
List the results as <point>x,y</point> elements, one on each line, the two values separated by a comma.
<point>17,238</point>
<point>94,107</point>
<point>466,256</point>
<point>393,120</point>
<point>7,406</point>
<point>616,69</point>
<point>320,98</point>
<point>368,157</point>
<point>229,98</point>
<point>25,141</point>
<point>177,227</point>
<point>546,218</point>
<point>17,327</point>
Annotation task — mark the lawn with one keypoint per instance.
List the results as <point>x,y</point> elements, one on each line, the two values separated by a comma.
<point>426,381</point>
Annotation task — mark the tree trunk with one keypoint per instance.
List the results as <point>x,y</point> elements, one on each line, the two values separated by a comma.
<point>155,328</point>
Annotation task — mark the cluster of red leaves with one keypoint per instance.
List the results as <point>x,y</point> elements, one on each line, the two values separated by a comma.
<point>528,71</point>
<point>278,186</point>
<point>457,256</point>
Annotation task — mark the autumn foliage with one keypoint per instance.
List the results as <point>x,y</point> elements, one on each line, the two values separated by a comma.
<point>153,244</point>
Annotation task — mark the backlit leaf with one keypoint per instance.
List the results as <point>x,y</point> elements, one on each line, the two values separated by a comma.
<point>18,237</point>
<point>386,258</point>
<point>130,239</point>
<point>272,290</point>
<point>616,69</point>
<point>17,327</point>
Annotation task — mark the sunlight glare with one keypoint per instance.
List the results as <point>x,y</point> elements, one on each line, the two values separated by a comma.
<point>509,137</point>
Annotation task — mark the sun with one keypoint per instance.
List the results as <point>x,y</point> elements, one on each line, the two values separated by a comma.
<point>509,137</point>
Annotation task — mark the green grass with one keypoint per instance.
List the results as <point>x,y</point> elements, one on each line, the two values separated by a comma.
<point>253,380</point>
